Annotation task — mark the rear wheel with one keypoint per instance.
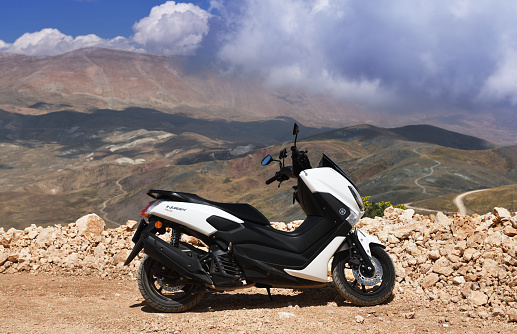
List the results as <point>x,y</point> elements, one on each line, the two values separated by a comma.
<point>360,287</point>
<point>164,289</point>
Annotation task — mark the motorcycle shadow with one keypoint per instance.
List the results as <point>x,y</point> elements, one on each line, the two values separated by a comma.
<point>255,298</point>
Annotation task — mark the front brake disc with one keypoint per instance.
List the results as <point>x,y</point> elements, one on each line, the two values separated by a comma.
<point>369,280</point>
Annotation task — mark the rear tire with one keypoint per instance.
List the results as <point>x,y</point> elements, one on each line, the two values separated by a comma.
<point>160,289</point>
<point>362,294</point>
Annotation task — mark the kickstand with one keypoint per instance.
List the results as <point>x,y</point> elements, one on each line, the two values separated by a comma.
<point>269,294</point>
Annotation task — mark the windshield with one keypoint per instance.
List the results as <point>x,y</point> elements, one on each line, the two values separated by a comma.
<point>326,161</point>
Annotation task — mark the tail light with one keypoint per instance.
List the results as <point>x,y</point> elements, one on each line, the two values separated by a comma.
<point>146,212</point>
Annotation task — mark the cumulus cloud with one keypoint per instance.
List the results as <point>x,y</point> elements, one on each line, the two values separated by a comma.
<point>172,29</point>
<point>53,42</point>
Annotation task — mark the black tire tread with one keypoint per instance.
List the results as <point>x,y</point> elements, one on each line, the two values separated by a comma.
<point>158,303</point>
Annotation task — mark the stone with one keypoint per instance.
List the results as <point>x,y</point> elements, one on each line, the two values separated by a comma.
<point>441,223</point>
<point>32,234</point>
<point>3,258</point>
<point>458,280</point>
<point>434,254</point>
<point>90,225</point>
<point>513,220</point>
<point>403,233</point>
<point>478,298</point>
<point>430,280</point>
<point>45,237</point>
<point>13,258</point>
<point>512,314</point>
<point>501,214</point>
<point>393,240</point>
<point>498,312</point>
<point>359,319</point>
<point>131,225</point>
<point>408,214</point>
<point>5,239</point>
<point>443,266</point>
<point>510,231</point>
<point>468,254</point>
<point>409,315</point>
<point>121,256</point>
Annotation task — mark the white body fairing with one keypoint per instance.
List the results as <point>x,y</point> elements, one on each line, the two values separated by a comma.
<point>327,180</point>
<point>317,269</point>
<point>192,215</point>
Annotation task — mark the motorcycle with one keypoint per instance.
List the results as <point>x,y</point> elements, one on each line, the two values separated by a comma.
<point>244,250</point>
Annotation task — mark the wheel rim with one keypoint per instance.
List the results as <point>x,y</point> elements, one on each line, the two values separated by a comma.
<point>362,283</point>
<point>165,287</point>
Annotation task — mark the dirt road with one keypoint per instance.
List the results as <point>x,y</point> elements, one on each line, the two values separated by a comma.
<point>58,304</point>
<point>458,200</point>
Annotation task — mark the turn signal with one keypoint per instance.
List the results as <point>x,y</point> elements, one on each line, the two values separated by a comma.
<point>158,224</point>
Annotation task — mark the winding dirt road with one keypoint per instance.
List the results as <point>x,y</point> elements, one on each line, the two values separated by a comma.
<point>458,201</point>
<point>424,190</point>
<point>104,205</point>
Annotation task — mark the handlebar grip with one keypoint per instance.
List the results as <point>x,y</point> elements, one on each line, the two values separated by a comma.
<point>271,180</point>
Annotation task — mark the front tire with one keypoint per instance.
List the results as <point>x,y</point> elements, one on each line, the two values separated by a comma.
<point>355,288</point>
<point>160,288</point>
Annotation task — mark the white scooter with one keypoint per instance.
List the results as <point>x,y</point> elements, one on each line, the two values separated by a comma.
<point>244,250</point>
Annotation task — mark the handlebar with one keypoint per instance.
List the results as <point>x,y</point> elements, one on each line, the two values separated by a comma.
<point>271,180</point>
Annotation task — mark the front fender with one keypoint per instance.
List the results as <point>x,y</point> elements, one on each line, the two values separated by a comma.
<point>365,239</point>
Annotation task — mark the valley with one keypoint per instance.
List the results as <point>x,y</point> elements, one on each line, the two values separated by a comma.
<point>56,167</point>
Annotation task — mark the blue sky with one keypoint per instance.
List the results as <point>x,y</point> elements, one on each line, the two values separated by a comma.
<point>398,55</point>
<point>105,18</point>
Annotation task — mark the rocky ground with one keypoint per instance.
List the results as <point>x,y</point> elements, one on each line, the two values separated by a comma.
<point>455,274</point>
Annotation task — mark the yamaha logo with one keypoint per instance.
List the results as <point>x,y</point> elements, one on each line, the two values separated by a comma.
<point>342,211</point>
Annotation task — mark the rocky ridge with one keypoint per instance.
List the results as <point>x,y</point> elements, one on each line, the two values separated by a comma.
<point>468,263</point>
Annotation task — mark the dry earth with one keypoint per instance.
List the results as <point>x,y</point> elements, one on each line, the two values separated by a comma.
<point>45,303</point>
<point>455,274</point>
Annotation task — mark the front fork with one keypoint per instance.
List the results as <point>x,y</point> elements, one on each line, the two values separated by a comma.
<point>360,242</point>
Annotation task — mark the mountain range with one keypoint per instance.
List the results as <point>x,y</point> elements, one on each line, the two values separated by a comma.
<point>89,79</point>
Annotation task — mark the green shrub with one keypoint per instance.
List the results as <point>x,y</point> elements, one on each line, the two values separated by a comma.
<point>374,209</point>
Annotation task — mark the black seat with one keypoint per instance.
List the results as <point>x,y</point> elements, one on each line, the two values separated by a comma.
<point>245,212</point>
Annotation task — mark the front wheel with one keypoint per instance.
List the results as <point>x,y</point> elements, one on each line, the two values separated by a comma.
<point>164,289</point>
<point>360,288</point>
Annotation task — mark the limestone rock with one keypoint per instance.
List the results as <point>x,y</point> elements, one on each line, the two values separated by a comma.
<point>501,214</point>
<point>478,298</point>
<point>512,314</point>
<point>442,223</point>
<point>430,280</point>
<point>403,233</point>
<point>3,258</point>
<point>510,231</point>
<point>459,280</point>
<point>443,266</point>
<point>90,225</point>
<point>131,225</point>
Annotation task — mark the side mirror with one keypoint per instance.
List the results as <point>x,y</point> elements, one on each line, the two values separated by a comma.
<point>296,129</point>
<point>267,160</point>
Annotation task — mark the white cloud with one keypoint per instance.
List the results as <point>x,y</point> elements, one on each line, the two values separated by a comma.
<point>172,29</point>
<point>4,46</point>
<point>53,42</point>
<point>175,29</point>
<point>502,84</point>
